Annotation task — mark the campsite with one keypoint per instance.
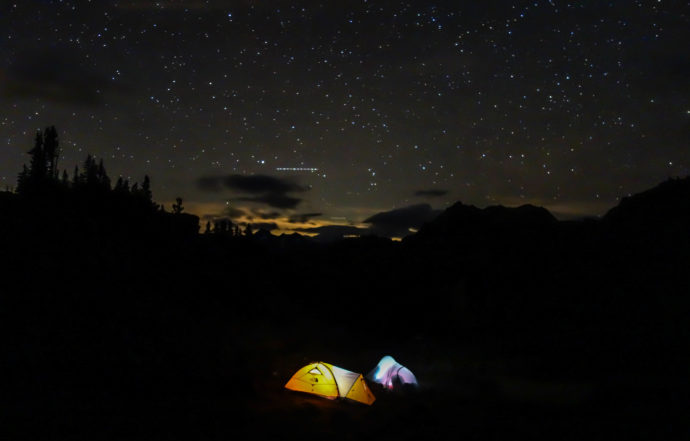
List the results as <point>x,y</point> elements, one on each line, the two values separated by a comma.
<point>344,220</point>
<point>166,333</point>
<point>275,220</point>
<point>494,322</point>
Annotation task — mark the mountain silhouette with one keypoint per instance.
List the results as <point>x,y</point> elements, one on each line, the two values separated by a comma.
<point>657,218</point>
<point>466,225</point>
<point>670,200</point>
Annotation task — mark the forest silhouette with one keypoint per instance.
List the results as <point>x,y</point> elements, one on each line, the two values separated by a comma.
<point>127,321</point>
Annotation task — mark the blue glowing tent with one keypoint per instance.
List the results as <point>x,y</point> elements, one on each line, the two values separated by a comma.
<point>390,374</point>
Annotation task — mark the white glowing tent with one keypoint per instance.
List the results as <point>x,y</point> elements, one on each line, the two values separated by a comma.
<point>390,373</point>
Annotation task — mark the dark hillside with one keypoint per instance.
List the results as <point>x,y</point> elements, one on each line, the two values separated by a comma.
<point>124,322</point>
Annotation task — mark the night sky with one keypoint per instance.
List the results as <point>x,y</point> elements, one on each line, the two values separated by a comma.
<point>310,114</point>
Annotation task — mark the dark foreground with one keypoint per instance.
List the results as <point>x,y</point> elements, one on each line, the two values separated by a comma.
<point>520,329</point>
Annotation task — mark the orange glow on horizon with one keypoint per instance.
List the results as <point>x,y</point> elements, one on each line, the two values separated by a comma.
<point>282,222</point>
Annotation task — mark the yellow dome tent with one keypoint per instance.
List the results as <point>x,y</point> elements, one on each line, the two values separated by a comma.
<point>331,382</point>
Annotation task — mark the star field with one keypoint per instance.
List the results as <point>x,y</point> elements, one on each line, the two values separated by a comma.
<point>368,105</point>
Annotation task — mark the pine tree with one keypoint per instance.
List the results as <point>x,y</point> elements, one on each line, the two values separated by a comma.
<point>119,185</point>
<point>102,177</point>
<point>146,189</point>
<point>177,206</point>
<point>90,174</point>
<point>51,147</point>
<point>22,180</point>
<point>43,164</point>
<point>37,167</point>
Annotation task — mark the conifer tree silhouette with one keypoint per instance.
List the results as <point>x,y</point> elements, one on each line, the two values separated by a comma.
<point>119,185</point>
<point>146,189</point>
<point>43,164</point>
<point>37,166</point>
<point>102,176</point>
<point>23,180</point>
<point>89,174</point>
<point>177,207</point>
<point>51,148</point>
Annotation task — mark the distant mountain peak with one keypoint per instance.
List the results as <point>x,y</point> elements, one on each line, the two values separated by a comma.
<point>670,200</point>
<point>469,223</point>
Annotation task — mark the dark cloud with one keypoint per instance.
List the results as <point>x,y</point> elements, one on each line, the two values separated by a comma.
<point>275,200</point>
<point>397,223</point>
<point>268,226</point>
<point>431,193</point>
<point>266,215</point>
<point>258,184</point>
<point>264,189</point>
<point>330,233</point>
<point>227,213</point>
<point>57,75</point>
<point>234,212</point>
<point>209,184</point>
<point>302,218</point>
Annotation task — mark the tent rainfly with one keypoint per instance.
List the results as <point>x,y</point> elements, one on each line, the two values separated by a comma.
<point>331,382</point>
<point>390,373</point>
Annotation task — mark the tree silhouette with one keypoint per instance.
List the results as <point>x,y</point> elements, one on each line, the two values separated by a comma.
<point>90,170</point>
<point>37,166</point>
<point>89,191</point>
<point>121,186</point>
<point>43,164</point>
<point>93,175</point>
<point>146,189</point>
<point>23,180</point>
<point>102,176</point>
<point>51,149</point>
<point>177,207</point>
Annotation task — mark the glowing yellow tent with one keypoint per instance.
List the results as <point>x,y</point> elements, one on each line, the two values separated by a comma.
<point>331,382</point>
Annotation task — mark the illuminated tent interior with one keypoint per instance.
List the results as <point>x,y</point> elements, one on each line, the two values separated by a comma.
<point>390,373</point>
<point>331,382</point>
